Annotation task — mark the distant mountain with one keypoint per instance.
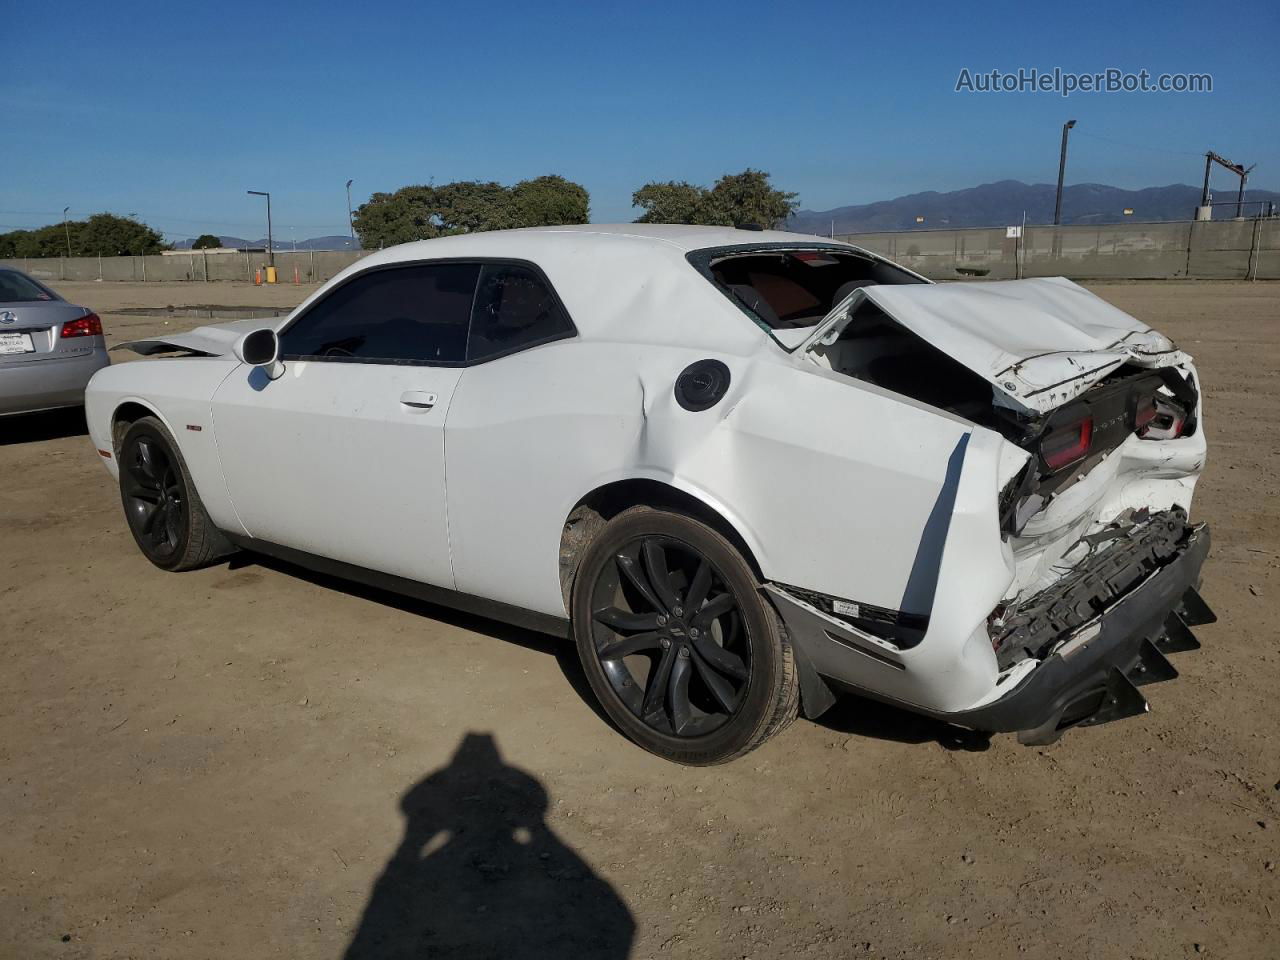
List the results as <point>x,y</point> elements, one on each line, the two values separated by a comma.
<point>1001,204</point>
<point>320,243</point>
<point>313,243</point>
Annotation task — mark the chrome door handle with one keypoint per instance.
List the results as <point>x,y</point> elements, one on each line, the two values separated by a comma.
<point>418,399</point>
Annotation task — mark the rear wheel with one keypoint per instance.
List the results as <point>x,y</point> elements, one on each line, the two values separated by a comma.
<point>165,515</point>
<point>683,651</point>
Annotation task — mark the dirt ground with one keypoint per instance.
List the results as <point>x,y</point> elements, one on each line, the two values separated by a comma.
<point>251,761</point>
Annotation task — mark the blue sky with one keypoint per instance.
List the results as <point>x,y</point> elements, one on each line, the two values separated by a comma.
<point>172,111</point>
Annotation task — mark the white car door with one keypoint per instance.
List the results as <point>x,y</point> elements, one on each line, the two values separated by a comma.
<point>342,455</point>
<point>513,439</point>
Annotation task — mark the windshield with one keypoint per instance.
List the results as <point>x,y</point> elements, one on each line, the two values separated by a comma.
<point>19,288</point>
<point>792,288</point>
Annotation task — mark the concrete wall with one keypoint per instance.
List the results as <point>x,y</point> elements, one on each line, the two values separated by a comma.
<point>313,266</point>
<point>1200,250</point>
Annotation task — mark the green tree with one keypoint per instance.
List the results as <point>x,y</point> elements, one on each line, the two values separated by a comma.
<point>206,241</point>
<point>102,233</point>
<point>105,234</point>
<point>15,243</point>
<point>470,207</point>
<point>50,241</point>
<point>675,201</point>
<point>748,197</point>
<point>736,198</point>
<point>422,212</point>
<point>391,218</point>
<point>550,201</point>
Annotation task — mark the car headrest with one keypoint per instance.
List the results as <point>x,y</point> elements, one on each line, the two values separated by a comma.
<point>755,303</point>
<point>847,288</point>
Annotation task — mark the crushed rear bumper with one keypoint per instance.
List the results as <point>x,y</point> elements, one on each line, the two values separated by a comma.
<point>1091,675</point>
<point>1094,676</point>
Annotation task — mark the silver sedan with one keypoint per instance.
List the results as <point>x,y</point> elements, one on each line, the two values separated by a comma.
<point>49,348</point>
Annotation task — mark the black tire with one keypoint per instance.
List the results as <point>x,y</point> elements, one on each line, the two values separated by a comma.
<point>696,686</point>
<point>161,505</point>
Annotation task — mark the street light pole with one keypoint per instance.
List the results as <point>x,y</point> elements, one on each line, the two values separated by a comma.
<point>66,229</point>
<point>1062,170</point>
<point>351,225</point>
<point>271,255</point>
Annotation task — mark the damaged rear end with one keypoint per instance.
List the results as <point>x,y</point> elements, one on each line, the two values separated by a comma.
<point>1070,552</point>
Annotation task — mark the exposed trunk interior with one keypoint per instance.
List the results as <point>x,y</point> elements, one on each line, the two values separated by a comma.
<point>875,348</point>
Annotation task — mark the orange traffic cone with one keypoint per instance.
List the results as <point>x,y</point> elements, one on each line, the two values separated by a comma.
<point>257,277</point>
<point>296,279</point>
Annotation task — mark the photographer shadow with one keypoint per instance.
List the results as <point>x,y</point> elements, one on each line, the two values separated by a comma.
<point>480,874</point>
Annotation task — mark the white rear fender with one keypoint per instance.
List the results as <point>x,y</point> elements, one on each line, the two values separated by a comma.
<point>839,487</point>
<point>953,666</point>
<point>835,486</point>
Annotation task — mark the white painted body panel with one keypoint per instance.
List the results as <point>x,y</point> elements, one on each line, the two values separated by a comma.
<point>833,484</point>
<point>178,392</point>
<point>327,459</point>
<point>522,456</point>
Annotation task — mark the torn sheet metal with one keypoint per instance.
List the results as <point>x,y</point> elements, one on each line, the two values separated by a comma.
<point>1039,342</point>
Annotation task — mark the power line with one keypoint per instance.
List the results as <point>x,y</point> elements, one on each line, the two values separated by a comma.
<point>1140,146</point>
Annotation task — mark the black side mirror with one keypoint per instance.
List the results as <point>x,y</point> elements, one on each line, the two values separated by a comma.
<point>258,348</point>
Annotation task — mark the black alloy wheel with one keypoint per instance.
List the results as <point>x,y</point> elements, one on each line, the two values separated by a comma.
<point>164,512</point>
<point>670,637</point>
<point>154,498</point>
<point>683,651</point>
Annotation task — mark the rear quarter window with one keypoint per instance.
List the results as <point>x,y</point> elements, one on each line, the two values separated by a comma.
<point>19,288</point>
<point>515,309</point>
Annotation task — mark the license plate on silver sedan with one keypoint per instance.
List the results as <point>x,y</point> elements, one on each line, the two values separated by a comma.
<point>16,343</point>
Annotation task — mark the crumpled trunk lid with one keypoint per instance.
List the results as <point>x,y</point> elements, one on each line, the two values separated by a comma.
<point>1040,343</point>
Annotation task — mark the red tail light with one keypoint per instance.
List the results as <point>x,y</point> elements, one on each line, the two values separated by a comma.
<point>1144,418</point>
<point>1067,444</point>
<point>87,326</point>
<point>1163,420</point>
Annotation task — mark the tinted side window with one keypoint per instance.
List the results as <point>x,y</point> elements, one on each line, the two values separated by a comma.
<point>514,309</point>
<point>416,314</point>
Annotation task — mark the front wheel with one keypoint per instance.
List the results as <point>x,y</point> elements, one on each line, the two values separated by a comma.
<point>683,651</point>
<point>165,515</point>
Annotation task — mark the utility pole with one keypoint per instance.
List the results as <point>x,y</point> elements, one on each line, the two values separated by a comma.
<point>66,229</point>
<point>1062,170</point>
<point>271,250</point>
<point>351,225</point>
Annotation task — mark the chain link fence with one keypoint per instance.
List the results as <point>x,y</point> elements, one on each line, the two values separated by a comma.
<point>307,266</point>
<point>1195,249</point>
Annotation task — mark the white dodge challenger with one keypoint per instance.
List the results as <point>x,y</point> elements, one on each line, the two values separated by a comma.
<point>745,471</point>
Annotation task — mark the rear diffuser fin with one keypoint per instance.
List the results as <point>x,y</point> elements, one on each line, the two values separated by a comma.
<point>1120,700</point>
<point>1152,666</point>
<point>1194,611</point>
<point>1177,637</point>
